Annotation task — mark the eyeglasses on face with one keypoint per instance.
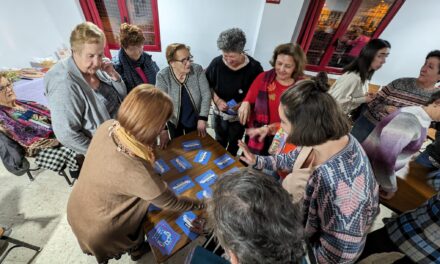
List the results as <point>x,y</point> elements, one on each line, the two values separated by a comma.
<point>185,60</point>
<point>8,85</point>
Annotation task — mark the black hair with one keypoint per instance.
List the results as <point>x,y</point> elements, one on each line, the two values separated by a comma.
<point>363,62</point>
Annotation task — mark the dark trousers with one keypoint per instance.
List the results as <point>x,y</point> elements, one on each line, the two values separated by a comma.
<point>228,133</point>
<point>179,130</point>
<point>379,242</point>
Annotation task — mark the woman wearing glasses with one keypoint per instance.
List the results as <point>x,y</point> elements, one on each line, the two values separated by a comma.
<point>188,87</point>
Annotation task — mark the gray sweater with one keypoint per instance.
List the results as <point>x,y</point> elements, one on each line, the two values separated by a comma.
<point>197,86</point>
<point>75,109</point>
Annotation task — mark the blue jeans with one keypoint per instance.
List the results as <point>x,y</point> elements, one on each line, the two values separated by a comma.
<point>432,178</point>
<point>362,128</point>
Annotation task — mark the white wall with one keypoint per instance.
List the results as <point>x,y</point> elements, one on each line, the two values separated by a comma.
<point>34,29</point>
<point>198,23</point>
<point>277,27</point>
<point>413,32</point>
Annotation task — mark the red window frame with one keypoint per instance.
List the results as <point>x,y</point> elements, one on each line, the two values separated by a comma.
<point>311,20</point>
<point>91,14</point>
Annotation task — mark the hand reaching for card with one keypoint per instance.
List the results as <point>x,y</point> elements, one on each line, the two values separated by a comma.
<point>248,157</point>
<point>198,226</point>
<point>260,132</point>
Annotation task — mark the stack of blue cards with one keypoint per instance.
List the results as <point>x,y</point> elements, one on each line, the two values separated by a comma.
<point>184,222</point>
<point>231,104</point>
<point>203,157</point>
<point>180,185</point>
<point>163,237</point>
<point>191,145</point>
<point>224,161</point>
<point>181,164</point>
<point>160,166</point>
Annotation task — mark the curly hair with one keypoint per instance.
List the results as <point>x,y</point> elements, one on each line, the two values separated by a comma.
<point>254,217</point>
<point>232,40</point>
<point>130,35</point>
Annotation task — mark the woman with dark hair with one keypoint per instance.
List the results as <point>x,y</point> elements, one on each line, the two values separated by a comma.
<point>337,189</point>
<point>259,108</point>
<point>400,93</point>
<point>230,75</point>
<point>133,64</point>
<point>351,89</point>
<point>108,205</point>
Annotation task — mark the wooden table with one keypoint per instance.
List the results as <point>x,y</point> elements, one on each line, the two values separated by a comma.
<point>173,150</point>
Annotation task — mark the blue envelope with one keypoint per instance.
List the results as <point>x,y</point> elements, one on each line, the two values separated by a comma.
<point>184,222</point>
<point>160,166</point>
<point>181,164</point>
<point>206,179</point>
<point>163,237</point>
<point>180,185</point>
<point>205,193</point>
<point>203,157</point>
<point>191,145</point>
<point>224,161</point>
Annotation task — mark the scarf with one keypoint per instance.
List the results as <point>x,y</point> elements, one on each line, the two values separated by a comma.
<point>33,132</point>
<point>128,142</point>
<point>130,76</point>
<point>260,116</point>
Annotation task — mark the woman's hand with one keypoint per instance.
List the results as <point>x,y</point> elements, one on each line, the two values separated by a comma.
<point>198,226</point>
<point>243,112</point>
<point>164,138</point>
<point>260,132</point>
<point>221,105</point>
<point>107,66</point>
<point>248,157</point>
<point>201,128</point>
<point>369,97</point>
<point>390,109</point>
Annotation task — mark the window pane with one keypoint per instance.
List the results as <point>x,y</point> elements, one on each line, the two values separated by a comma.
<point>362,27</point>
<point>329,20</point>
<point>141,14</point>
<point>111,20</point>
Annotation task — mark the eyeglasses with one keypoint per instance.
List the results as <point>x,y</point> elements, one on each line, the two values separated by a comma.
<point>185,60</point>
<point>9,85</point>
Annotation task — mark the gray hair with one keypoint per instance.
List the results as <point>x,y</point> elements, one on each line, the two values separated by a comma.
<point>254,217</point>
<point>232,40</point>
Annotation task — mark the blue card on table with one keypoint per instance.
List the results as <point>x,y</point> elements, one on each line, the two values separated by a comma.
<point>153,208</point>
<point>181,164</point>
<point>180,185</point>
<point>160,166</point>
<point>205,193</point>
<point>224,161</point>
<point>231,104</point>
<point>206,179</point>
<point>184,222</point>
<point>163,237</point>
<point>203,157</point>
<point>191,145</point>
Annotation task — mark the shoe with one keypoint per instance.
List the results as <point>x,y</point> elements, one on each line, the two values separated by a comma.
<point>142,250</point>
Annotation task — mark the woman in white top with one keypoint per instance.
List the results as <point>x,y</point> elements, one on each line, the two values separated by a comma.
<point>351,89</point>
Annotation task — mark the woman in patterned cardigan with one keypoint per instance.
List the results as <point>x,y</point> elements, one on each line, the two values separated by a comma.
<point>340,195</point>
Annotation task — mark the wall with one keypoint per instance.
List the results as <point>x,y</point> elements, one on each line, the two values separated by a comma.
<point>277,27</point>
<point>412,33</point>
<point>34,29</point>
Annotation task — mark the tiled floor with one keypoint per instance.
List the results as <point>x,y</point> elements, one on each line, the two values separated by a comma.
<point>36,211</point>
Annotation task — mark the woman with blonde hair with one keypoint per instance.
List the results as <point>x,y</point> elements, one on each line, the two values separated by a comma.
<point>133,64</point>
<point>83,90</point>
<point>108,205</point>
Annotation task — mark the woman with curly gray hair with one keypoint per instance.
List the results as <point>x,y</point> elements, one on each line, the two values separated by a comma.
<point>230,75</point>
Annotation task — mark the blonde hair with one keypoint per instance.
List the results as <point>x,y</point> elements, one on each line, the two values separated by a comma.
<point>172,49</point>
<point>86,32</point>
<point>144,111</point>
<point>130,35</point>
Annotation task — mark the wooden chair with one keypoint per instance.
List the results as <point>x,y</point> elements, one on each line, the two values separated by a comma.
<point>412,191</point>
<point>4,235</point>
